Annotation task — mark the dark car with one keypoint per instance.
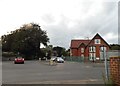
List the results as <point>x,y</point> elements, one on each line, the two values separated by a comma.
<point>19,60</point>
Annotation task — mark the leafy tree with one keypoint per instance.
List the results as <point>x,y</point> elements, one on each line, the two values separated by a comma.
<point>0,45</point>
<point>26,40</point>
<point>59,51</point>
<point>7,41</point>
<point>47,51</point>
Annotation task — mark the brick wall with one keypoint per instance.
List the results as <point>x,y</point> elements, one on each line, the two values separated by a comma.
<point>115,70</point>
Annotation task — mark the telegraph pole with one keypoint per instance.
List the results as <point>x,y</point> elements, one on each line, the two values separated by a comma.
<point>105,62</point>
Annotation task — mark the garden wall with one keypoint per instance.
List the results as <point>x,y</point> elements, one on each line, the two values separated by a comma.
<point>115,70</point>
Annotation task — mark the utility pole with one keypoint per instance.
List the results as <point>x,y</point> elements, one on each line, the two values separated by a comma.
<point>106,65</point>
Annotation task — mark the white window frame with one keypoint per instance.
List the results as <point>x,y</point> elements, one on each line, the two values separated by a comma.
<point>92,56</point>
<point>97,41</point>
<point>103,48</point>
<point>82,50</point>
<point>82,55</point>
<point>92,49</point>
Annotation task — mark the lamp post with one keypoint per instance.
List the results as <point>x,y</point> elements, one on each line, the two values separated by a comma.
<point>105,62</point>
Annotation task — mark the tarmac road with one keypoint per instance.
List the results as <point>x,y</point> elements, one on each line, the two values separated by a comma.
<point>37,72</point>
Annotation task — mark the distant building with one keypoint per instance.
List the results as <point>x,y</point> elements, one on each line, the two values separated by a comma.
<point>89,49</point>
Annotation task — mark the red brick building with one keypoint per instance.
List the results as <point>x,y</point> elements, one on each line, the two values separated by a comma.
<point>89,49</point>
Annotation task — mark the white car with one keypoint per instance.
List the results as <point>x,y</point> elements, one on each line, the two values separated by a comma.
<point>58,59</point>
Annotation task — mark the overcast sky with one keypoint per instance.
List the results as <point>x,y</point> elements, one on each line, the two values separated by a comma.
<point>63,19</point>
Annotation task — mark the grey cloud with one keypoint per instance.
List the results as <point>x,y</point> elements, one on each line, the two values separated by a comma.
<point>103,23</point>
<point>48,18</point>
<point>59,34</point>
<point>109,6</point>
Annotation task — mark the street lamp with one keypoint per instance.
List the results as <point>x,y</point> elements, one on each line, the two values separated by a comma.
<point>105,62</point>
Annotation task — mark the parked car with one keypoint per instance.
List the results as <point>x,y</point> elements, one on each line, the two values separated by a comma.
<point>43,58</point>
<point>19,60</point>
<point>57,59</point>
<point>60,60</point>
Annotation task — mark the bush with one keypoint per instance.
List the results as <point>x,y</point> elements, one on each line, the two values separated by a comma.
<point>8,54</point>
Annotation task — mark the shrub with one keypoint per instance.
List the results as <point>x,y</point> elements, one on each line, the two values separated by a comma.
<point>8,54</point>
